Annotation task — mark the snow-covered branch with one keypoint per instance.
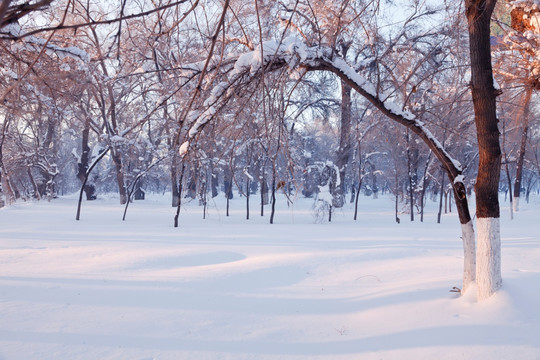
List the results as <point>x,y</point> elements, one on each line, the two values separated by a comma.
<point>33,43</point>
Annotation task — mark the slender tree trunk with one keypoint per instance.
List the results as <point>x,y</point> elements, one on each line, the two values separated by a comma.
<point>374,186</point>
<point>330,213</point>
<point>264,191</point>
<point>174,181</point>
<point>117,159</point>
<point>248,185</point>
<point>180,185</point>
<point>441,198</point>
<point>273,210</point>
<point>484,100</point>
<point>522,147</point>
<point>84,163</point>
<point>425,182</point>
<point>410,176</point>
<point>357,196</point>
<point>397,197</point>
<point>204,194</point>
<point>228,182</point>
<point>214,181</point>
<point>78,216</point>
<point>509,179</point>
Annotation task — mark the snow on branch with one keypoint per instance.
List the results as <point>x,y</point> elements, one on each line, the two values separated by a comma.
<point>33,43</point>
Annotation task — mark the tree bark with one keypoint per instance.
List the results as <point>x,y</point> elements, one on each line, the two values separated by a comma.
<point>487,182</point>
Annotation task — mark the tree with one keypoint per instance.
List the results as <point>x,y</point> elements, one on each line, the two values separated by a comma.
<point>488,274</point>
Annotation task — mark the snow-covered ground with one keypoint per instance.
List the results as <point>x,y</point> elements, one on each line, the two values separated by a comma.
<point>230,288</point>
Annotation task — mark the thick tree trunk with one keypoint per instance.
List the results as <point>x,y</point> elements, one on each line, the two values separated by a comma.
<point>522,146</point>
<point>484,100</point>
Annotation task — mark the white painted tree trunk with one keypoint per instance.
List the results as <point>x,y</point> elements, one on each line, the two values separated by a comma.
<point>516,204</point>
<point>488,257</point>
<point>469,249</point>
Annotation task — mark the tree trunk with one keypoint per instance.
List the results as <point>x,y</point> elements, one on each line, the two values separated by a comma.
<point>522,147</point>
<point>227,184</point>
<point>78,216</point>
<point>35,187</point>
<point>174,181</point>
<point>441,198</point>
<point>214,183</point>
<point>117,159</point>
<point>344,150</point>
<point>273,209</point>
<point>397,196</point>
<point>509,179</point>
<point>180,185</point>
<point>357,196</point>
<point>264,191</point>
<point>204,192</point>
<point>5,183</point>
<point>484,100</point>
<point>425,182</point>
<point>248,185</point>
<point>89,189</point>
<point>410,177</point>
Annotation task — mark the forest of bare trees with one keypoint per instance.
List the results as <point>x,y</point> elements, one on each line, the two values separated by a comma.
<point>247,98</point>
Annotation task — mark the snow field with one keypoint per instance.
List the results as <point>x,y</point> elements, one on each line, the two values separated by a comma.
<point>230,288</point>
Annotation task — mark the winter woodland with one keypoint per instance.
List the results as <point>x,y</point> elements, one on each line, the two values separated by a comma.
<point>326,100</point>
